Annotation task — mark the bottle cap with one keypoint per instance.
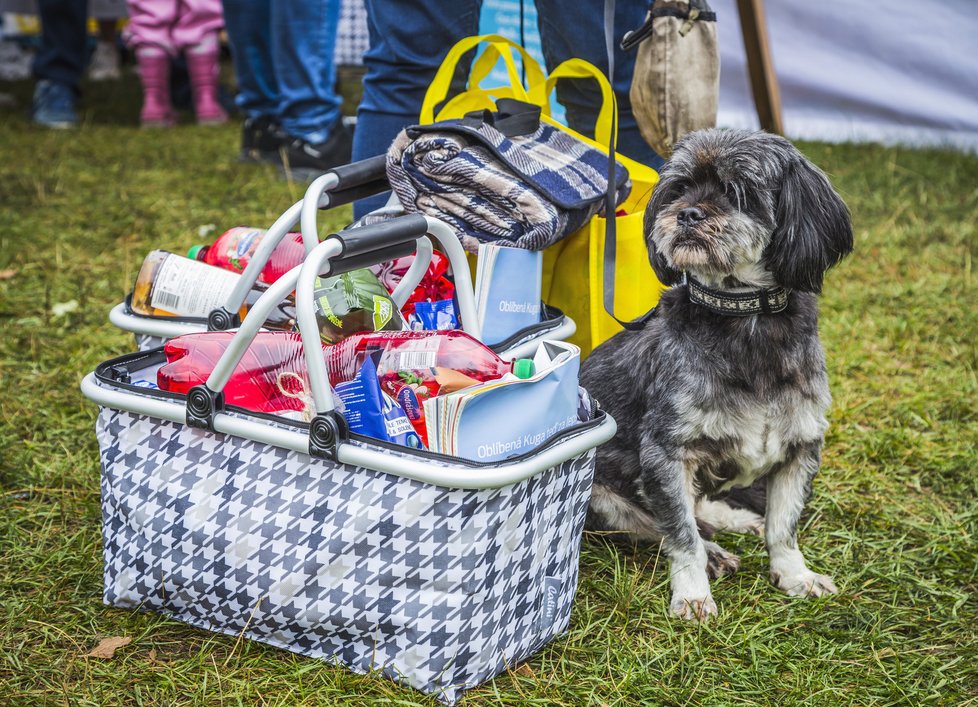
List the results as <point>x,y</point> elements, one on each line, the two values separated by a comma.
<point>195,251</point>
<point>524,368</point>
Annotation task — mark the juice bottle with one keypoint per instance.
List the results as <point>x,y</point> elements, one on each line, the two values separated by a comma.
<point>234,248</point>
<point>272,376</point>
<point>170,285</point>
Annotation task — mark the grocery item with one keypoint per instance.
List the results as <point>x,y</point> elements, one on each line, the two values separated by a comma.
<point>371,412</point>
<point>431,306</point>
<point>170,285</point>
<point>353,302</point>
<point>234,248</point>
<point>271,376</point>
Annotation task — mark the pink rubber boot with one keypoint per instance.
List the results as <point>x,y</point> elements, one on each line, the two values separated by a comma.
<point>203,67</point>
<point>154,72</point>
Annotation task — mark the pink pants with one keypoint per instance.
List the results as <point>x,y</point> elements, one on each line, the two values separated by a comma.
<point>173,25</point>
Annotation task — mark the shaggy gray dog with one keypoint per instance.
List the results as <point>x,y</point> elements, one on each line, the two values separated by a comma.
<point>727,385</point>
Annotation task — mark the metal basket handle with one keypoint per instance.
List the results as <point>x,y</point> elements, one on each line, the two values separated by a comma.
<point>339,186</point>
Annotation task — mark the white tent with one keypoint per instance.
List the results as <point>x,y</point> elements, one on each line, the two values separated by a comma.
<point>892,71</point>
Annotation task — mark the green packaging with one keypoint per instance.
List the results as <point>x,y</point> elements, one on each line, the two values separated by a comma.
<point>354,302</point>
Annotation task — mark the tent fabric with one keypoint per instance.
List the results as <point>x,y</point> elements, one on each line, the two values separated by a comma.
<point>892,71</point>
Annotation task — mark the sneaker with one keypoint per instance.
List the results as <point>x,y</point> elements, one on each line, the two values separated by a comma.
<point>104,65</point>
<point>54,105</point>
<point>303,161</point>
<point>261,140</point>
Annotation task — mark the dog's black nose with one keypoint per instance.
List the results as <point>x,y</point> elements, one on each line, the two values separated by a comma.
<point>690,216</point>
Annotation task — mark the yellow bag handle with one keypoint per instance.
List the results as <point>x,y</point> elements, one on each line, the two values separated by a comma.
<point>580,69</point>
<point>498,47</point>
<point>537,91</point>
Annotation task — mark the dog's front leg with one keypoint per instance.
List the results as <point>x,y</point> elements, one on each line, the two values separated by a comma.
<point>787,490</point>
<point>668,492</point>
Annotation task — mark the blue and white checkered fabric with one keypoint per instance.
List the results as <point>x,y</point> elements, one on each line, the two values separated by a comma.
<point>438,588</point>
<point>352,38</point>
<point>527,190</point>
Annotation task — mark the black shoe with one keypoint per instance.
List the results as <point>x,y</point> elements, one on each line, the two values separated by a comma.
<point>261,140</point>
<point>303,161</point>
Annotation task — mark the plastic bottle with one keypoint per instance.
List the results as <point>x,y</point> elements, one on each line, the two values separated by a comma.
<point>272,375</point>
<point>421,351</point>
<point>234,248</point>
<point>170,285</point>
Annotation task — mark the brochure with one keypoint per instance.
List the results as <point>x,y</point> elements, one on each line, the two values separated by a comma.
<point>507,417</point>
<point>508,282</point>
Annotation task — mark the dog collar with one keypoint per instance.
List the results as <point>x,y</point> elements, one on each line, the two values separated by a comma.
<point>737,304</point>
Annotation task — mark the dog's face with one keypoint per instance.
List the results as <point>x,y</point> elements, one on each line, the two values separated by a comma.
<point>737,207</point>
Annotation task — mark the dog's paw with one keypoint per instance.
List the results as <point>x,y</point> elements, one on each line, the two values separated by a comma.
<point>805,584</point>
<point>690,609</point>
<point>719,562</point>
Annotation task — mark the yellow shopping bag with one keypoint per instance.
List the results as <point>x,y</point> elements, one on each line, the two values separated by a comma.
<point>573,277</point>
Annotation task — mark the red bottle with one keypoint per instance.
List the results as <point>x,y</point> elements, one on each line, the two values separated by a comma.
<point>271,377</point>
<point>234,249</point>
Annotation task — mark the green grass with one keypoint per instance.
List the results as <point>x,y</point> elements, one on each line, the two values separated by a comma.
<point>893,518</point>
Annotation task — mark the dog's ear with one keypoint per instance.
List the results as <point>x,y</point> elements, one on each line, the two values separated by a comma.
<point>813,230</point>
<point>667,275</point>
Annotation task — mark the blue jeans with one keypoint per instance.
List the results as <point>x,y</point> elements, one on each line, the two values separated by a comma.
<point>409,40</point>
<point>63,52</point>
<point>283,58</point>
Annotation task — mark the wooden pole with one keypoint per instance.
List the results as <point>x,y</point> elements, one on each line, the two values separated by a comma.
<point>763,80</point>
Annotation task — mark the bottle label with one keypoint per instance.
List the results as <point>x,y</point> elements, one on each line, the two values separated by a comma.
<point>241,246</point>
<point>188,288</point>
<point>414,354</point>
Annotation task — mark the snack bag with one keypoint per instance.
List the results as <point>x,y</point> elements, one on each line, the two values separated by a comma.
<point>354,302</point>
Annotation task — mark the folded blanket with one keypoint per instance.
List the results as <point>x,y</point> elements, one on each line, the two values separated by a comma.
<point>501,176</point>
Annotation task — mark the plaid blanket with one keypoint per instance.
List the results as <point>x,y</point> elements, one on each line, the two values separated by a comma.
<point>501,176</point>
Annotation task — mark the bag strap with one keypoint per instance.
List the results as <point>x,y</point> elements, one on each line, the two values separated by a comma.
<point>604,129</point>
<point>611,231</point>
<point>499,47</point>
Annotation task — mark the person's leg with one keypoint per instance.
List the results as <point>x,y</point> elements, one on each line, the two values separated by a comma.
<point>195,31</point>
<point>60,61</point>
<point>303,43</point>
<point>577,30</point>
<point>104,65</point>
<point>408,42</point>
<point>149,35</point>
<point>248,26</point>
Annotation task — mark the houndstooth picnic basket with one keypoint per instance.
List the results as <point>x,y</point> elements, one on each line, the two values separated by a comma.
<point>435,571</point>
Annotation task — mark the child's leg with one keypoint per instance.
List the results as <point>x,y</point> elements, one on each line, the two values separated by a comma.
<point>195,31</point>
<point>149,34</point>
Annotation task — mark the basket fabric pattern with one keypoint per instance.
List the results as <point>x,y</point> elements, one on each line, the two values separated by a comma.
<point>435,587</point>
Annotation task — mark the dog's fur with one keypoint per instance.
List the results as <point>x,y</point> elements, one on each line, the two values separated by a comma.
<point>706,402</point>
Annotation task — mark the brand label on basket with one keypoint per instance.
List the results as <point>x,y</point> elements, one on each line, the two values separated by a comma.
<point>191,289</point>
<point>551,591</point>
